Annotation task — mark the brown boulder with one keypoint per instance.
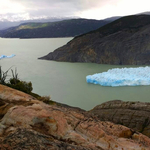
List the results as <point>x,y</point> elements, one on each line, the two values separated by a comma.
<point>135,115</point>
<point>10,94</point>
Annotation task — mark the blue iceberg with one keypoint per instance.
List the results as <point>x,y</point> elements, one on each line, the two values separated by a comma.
<point>121,77</point>
<point>4,56</point>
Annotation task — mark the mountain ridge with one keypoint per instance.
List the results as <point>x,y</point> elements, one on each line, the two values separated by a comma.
<point>125,41</point>
<point>65,28</point>
<point>6,23</point>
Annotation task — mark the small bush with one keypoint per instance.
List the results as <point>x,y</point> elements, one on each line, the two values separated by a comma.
<point>3,76</point>
<point>46,99</point>
<point>20,85</point>
<point>14,81</point>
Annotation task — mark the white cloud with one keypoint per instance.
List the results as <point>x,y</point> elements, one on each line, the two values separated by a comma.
<point>7,6</point>
<point>96,9</point>
<point>117,8</point>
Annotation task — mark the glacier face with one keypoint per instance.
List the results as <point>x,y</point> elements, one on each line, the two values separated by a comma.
<point>121,77</point>
<point>4,56</point>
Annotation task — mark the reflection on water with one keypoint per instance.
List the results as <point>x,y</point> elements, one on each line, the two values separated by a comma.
<point>64,82</point>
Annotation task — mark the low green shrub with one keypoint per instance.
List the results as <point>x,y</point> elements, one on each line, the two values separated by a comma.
<point>14,81</point>
<point>3,76</point>
<point>20,85</point>
<point>46,99</point>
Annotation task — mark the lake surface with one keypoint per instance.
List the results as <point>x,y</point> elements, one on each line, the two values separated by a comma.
<point>64,82</point>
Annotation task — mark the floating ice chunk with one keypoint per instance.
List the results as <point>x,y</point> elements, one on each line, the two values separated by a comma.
<point>4,56</point>
<point>121,77</point>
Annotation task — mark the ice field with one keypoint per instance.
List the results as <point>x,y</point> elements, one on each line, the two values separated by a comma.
<point>121,77</point>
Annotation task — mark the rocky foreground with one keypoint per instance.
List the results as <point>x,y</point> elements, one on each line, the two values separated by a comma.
<point>27,123</point>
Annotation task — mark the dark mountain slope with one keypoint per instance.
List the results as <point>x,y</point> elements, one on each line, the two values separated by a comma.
<point>6,23</point>
<point>65,28</point>
<point>124,41</point>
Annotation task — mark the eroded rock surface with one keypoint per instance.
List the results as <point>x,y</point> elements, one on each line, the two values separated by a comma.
<point>135,115</point>
<point>29,139</point>
<point>11,94</point>
<point>36,125</point>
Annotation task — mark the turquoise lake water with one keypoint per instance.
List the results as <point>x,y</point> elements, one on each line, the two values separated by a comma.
<point>64,82</point>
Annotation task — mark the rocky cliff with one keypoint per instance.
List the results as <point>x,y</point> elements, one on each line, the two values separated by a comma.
<point>122,42</point>
<point>27,123</point>
<point>135,115</point>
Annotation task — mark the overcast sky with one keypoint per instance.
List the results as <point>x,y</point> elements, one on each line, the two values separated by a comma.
<point>93,9</point>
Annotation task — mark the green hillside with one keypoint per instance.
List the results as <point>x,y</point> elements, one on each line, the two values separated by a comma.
<point>65,28</point>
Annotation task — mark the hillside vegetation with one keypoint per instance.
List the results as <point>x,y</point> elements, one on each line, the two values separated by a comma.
<point>65,28</point>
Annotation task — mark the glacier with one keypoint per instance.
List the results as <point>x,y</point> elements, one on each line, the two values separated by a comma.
<point>121,77</point>
<point>4,56</point>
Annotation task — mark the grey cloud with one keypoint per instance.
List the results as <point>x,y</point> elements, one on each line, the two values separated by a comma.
<point>50,7</point>
<point>78,4</point>
<point>61,8</point>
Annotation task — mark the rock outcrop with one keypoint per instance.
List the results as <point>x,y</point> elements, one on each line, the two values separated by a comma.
<point>33,124</point>
<point>122,42</point>
<point>135,115</point>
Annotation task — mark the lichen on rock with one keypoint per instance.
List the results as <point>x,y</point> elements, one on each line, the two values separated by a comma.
<point>32,124</point>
